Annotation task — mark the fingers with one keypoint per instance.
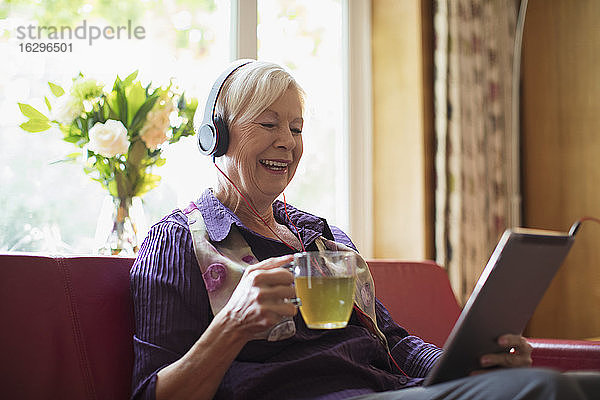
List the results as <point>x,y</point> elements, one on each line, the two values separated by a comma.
<point>510,340</point>
<point>272,299</point>
<point>517,353</point>
<point>271,263</point>
<point>501,360</point>
<point>269,318</point>
<point>518,346</point>
<point>258,302</point>
<point>271,277</point>
<point>275,294</point>
<point>284,309</point>
<point>257,316</point>
<point>264,287</point>
<point>269,273</point>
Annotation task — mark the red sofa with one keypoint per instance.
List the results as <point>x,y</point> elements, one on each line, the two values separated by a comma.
<point>67,323</point>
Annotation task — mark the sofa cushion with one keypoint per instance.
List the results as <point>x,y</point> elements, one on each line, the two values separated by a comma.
<point>418,296</point>
<point>67,327</point>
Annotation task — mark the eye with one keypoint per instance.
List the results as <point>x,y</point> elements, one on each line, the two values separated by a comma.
<point>296,131</point>
<point>267,125</point>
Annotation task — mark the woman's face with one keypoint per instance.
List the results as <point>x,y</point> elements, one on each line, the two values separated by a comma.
<point>263,154</point>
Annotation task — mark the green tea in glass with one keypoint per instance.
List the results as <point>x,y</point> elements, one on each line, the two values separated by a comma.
<point>325,282</point>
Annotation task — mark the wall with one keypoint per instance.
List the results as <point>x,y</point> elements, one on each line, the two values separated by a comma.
<point>560,154</point>
<point>402,119</point>
<point>560,144</point>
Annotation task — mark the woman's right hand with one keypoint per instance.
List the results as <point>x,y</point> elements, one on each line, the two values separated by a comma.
<point>256,304</point>
<point>259,300</point>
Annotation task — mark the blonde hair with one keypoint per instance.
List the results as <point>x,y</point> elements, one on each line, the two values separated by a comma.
<point>251,89</point>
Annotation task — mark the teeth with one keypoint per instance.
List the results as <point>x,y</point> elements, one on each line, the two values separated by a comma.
<point>275,164</point>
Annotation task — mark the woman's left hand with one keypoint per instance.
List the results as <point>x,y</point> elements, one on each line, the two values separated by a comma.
<point>518,353</point>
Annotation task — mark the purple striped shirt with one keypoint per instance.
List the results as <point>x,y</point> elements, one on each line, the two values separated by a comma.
<point>172,311</point>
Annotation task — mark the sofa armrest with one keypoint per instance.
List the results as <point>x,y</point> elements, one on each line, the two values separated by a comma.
<point>566,355</point>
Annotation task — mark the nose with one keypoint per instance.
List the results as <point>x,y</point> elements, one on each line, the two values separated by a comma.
<point>285,139</point>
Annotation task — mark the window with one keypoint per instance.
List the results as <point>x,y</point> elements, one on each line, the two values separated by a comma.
<point>54,207</point>
<point>306,37</point>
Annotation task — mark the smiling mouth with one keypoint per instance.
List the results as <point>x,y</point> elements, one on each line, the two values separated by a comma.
<point>274,165</point>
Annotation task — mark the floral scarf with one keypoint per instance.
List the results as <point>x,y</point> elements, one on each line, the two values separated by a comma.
<point>223,264</point>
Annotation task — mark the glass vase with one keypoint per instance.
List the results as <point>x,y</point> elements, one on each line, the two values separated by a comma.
<point>120,226</point>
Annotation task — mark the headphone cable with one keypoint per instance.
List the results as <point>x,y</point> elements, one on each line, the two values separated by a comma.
<point>261,218</point>
<point>292,222</point>
<point>575,227</point>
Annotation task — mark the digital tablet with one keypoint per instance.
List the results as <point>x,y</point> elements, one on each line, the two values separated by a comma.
<point>504,299</point>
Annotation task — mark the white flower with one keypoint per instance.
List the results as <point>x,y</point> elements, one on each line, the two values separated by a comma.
<point>67,109</point>
<point>109,138</point>
<point>154,131</point>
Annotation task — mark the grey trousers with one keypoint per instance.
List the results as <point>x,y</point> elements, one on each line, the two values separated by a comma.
<point>505,384</point>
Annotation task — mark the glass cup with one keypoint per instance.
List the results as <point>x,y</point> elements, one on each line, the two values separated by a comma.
<point>325,282</point>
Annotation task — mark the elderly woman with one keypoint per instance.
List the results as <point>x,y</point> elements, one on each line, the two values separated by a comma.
<point>212,309</point>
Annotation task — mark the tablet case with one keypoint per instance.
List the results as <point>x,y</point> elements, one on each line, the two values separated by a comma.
<point>504,299</point>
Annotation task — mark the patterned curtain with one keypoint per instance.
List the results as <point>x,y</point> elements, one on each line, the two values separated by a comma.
<point>473,73</point>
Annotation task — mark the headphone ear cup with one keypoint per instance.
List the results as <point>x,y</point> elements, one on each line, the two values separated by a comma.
<point>222,137</point>
<point>206,139</point>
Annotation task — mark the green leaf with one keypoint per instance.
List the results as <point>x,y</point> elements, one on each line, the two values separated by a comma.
<point>35,125</point>
<point>56,90</point>
<point>69,158</point>
<point>140,115</point>
<point>48,103</point>
<point>181,102</point>
<point>99,114</point>
<point>136,97</point>
<point>190,108</point>
<point>112,105</point>
<point>31,112</point>
<point>70,130</point>
<point>72,139</point>
<point>184,130</point>
<point>130,78</point>
<point>117,83</point>
<point>112,188</point>
<point>79,123</point>
<point>176,134</point>
<point>122,105</point>
<point>154,153</point>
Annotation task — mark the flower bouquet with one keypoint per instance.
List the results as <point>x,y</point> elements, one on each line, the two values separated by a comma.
<point>121,134</point>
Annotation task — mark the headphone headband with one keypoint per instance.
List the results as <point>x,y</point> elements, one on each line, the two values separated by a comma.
<point>213,137</point>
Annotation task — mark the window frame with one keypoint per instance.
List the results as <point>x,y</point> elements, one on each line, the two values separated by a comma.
<point>356,185</point>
